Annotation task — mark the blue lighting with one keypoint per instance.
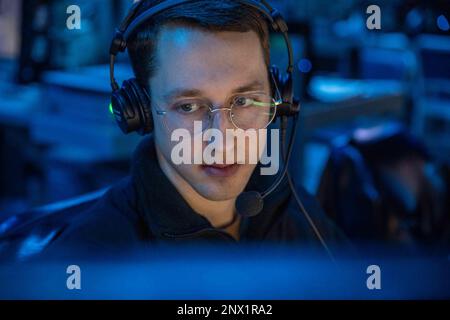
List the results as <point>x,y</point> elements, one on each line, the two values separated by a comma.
<point>442,23</point>
<point>304,65</point>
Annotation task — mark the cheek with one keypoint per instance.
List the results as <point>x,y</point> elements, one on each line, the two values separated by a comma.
<point>253,148</point>
<point>162,138</point>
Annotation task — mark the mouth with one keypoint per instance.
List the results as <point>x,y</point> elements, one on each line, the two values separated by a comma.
<point>220,170</point>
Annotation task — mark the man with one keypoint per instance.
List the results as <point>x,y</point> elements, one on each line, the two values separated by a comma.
<point>210,51</point>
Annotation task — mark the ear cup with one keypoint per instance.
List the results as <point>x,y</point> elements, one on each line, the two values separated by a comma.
<point>127,117</point>
<point>131,108</point>
<point>144,103</point>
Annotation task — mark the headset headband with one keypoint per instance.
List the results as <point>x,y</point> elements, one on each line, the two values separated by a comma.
<point>132,22</point>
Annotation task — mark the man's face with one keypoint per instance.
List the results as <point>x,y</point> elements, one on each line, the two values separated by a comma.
<point>196,64</point>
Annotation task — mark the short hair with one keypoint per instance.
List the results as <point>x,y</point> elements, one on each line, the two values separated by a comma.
<point>209,15</point>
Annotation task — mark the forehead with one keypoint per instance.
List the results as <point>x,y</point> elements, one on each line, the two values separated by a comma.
<point>206,60</point>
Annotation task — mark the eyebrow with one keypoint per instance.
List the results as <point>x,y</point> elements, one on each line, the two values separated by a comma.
<point>186,92</point>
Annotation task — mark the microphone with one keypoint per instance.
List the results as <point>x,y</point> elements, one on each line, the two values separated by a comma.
<point>251,203</point>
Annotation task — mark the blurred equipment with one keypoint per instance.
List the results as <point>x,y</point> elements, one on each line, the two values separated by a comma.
<point>9,28</point>
<point>35,48</point>
<point>47,43</point>
<point>85,150</point>
<point>20,171</point>
<point>30,232</point>
<point>380,186</point>
<point>338,103</point>
<point>431,118</point>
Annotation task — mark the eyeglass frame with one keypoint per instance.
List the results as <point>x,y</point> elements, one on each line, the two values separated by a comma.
<point>213,108</point>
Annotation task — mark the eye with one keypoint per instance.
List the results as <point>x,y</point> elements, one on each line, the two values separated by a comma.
<point>242,102</point>
<point>188,107</point>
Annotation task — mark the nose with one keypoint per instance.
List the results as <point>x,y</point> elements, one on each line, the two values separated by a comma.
<point>220,119</point>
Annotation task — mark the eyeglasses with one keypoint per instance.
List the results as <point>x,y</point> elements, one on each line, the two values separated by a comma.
<point>245,111</point>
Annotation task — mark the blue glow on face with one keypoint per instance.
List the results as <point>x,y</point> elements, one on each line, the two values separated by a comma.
<point>305,65</point>
<point>182,37</point>
<point>442,23</point>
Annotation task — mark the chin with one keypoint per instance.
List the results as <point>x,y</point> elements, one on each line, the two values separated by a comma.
<point>217,193</point>
<point>216,188</point>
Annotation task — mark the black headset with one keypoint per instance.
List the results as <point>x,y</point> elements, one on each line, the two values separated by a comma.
<point>131,103</point>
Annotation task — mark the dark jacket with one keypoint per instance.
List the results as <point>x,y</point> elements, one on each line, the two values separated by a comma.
<point>145,208</point>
